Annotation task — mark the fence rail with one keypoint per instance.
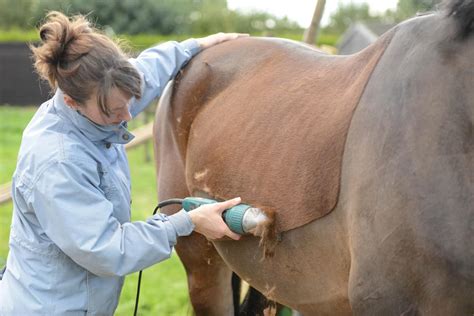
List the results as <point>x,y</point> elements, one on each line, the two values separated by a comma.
<point>5,192</point>
<point>142,134</point>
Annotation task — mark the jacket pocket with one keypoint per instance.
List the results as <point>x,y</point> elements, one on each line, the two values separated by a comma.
<point>46,250</point>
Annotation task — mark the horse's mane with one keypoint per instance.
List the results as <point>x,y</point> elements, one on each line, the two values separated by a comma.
<point>463,12</point>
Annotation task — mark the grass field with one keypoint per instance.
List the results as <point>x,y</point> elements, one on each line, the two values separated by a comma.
<point>164,288</point>
<point>141,41</point>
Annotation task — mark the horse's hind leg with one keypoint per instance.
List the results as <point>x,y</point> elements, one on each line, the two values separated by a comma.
<point>211,286</point>
<point>209,279</point>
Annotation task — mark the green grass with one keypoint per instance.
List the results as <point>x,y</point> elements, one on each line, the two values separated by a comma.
<point>17,35</point>
<point>135,42</point>
<point>323,38</point>
<point>164,287</point>
<point>141,41</point>
<point>14,120</point>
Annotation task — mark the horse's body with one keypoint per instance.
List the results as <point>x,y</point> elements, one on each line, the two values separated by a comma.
<point>399,239</point>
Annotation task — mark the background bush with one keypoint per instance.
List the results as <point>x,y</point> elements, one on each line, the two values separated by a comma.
<point>147,16</point>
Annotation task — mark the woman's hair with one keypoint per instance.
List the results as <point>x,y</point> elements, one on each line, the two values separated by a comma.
<point>80,60</point>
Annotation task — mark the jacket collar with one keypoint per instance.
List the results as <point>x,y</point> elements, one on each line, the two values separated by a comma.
<point>117,133</point>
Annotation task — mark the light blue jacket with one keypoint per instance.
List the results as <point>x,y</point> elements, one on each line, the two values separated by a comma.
<point>71,240</point>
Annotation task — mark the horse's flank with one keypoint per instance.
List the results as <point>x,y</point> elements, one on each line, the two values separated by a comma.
<point>292,143</point>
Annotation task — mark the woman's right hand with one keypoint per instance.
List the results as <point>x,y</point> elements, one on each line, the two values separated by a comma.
<point>208,220</point>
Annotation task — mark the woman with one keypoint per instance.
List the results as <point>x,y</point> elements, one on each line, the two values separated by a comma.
<point>71,240</point>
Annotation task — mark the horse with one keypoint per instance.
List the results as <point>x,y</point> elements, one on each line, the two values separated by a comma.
<point>364,162</point>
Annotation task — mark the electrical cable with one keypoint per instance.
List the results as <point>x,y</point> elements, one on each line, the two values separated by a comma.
<point>160,205</point>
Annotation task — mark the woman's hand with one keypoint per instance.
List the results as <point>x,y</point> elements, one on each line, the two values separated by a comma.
<point>208,220</point>
<point>211,40</point>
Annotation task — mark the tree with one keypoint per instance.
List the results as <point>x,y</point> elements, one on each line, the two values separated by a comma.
<point>408,8</point>
<point>16,14</point>
<point>347,14</point>
<point>125,16</point>
<point>147,16</point>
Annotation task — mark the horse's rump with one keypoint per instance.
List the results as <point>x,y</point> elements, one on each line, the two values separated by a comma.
<point>301,124</point>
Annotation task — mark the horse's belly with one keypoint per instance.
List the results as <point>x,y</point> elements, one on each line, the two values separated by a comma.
<point>317,252</point>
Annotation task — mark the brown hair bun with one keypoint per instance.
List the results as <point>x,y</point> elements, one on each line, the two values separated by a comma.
<point>64,41</point>
<point>82,61</point>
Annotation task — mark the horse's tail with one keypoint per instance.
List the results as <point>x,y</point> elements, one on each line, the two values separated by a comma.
<point>236,288</point>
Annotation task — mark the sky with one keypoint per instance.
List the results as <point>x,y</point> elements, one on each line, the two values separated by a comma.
<point>301,11</point>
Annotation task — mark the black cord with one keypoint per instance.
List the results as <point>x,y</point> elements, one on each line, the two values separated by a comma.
<point>160,205</point>
<point>138,292</point>
<point>166,203</point>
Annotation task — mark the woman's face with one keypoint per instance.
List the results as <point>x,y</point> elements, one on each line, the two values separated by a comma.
<point>118,105</point>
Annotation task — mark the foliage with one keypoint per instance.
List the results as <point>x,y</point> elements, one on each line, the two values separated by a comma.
<point>409,8</point>
<point>346,14</point>
<point>212,21</point>
<point>146,16</point>
<point>16,13</point>
<point>177,19</point>
<point>123,16</point>
<point>138,42</point>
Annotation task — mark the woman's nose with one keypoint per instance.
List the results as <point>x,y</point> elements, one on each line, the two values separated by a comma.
<point>126,116</point>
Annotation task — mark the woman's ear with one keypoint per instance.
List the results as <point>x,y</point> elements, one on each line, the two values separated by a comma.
<point>71,102</point>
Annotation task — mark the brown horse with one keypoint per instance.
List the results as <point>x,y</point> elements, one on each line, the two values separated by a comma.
<point>366,162</point>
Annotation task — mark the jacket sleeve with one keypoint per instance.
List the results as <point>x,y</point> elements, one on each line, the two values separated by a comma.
<point>76,216</point>
<point>158,65</point>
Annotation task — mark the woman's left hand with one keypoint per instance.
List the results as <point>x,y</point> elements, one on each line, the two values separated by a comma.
<point>211,40</point>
